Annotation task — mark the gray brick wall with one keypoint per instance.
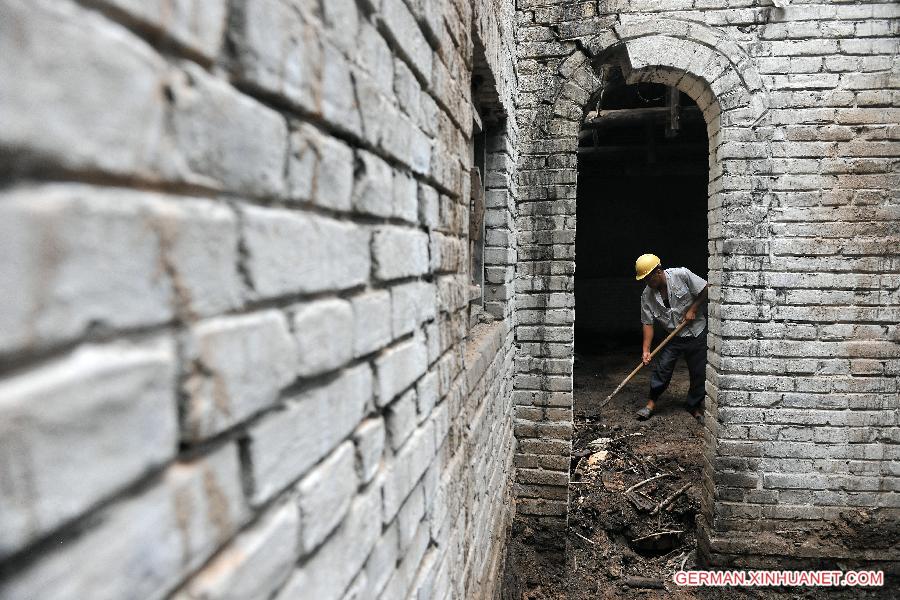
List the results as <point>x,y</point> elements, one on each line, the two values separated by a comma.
<point>802,109</point>
<point>238,357</point>
<point>240,354</point>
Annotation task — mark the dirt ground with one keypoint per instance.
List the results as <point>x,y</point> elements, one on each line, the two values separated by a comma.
<point>620,543</point>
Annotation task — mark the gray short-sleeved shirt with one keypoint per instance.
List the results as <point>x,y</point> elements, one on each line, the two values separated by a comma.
<point>683,288</point>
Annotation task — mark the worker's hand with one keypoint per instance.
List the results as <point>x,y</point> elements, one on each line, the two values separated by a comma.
<point>690,315</point>
<point>645,357</point>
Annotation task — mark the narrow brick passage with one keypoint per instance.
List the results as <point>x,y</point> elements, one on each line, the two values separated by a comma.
<point>614,538</point>
<point>642,176</point>
<point>289,288</point>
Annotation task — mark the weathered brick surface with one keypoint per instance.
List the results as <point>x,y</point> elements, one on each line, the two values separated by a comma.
<point>803,288</point>
<point>114,402</point>
<point>323,331</point>
<point>236,358</point>
<point>103,267</point>
<point>81,50</point>
<point>225,139</point>
<point>255,564</point>
<point>399,252</point>
<point>399,367</point>
<point>278,51</point>
<point>237,367</point>
<point>324,496</point>
<point>285,444</point>
<point>320,169</point>
<point>369,440</point>
<point>198,25</point>
<point>235,241</point>
<point>372,321</point>
<point>144,545</point>
<point>293,252</point>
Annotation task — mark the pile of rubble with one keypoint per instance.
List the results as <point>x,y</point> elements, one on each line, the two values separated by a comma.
<point>635,510</point>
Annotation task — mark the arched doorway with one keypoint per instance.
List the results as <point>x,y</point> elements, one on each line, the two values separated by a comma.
<point>642,187</point>
<point>715,75</point>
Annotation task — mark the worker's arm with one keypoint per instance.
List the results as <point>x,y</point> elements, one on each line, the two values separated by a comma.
<point>691,312</point>
<point>645,347</point>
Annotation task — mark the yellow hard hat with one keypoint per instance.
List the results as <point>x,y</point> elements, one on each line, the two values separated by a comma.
<point>645,265</point>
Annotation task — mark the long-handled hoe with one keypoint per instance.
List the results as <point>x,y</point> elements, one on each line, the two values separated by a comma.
<point>641,364</point>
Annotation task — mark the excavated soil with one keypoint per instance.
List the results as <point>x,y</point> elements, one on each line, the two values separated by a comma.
<point>621,543</point>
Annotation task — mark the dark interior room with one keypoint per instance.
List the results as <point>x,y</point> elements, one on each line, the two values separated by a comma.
<point>642,187</point>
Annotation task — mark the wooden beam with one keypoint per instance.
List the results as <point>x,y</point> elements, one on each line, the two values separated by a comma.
<point>617,114</point>
<point>636,115</point>
<point>478,125</point>
<point>641,149</point>
<point>673,103</point>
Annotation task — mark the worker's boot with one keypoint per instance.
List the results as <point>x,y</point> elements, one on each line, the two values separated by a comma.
<point>697,413</point>
<point>646,412</point>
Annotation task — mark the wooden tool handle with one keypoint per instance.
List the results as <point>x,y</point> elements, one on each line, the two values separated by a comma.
<point>641,364</point>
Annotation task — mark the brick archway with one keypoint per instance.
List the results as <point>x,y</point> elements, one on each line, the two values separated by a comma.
<point>718,76</point>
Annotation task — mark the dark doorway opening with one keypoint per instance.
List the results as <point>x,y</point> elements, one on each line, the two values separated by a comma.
<point>635,485</point>
<point>642,187</point>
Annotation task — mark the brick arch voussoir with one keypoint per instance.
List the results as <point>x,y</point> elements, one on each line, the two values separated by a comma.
<point>706,75</point>
<point>696,58</point>
<point>638,26</point>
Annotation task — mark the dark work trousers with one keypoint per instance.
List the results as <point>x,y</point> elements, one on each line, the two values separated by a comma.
<point>694,351</point>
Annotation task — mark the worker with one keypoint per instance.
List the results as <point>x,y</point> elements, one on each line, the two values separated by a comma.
<point>673,296</point>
